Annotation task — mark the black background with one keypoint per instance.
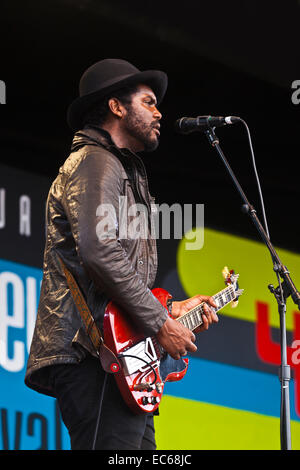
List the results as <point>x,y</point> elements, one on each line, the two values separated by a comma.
<point>222,58</point>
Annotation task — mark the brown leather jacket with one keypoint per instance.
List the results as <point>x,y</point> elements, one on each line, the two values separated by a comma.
<point>106,268</point>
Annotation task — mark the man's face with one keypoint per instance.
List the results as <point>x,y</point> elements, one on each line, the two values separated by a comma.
<point>141,120</point>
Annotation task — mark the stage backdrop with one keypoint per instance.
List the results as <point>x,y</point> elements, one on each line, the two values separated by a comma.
<point>230,397</point>
<point>28,420</point>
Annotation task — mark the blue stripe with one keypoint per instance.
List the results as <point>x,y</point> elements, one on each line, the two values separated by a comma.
<point>232,387</point>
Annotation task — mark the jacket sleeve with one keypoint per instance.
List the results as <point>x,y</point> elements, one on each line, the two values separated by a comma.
<point>91,202</point>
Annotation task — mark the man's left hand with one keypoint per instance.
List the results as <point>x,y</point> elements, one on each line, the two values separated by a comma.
<point>209,316</point>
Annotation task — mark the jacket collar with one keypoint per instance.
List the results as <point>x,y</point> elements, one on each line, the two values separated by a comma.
<point>94,135</point>
<point>132,163</point>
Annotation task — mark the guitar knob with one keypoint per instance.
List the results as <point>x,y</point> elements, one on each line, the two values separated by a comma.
<point>153,400</point>
<point>145,400</point>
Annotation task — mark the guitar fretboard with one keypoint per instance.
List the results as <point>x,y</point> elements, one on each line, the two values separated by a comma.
<point>193,318</point>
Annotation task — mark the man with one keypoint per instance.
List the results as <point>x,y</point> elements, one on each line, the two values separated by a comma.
<point>115,116</point>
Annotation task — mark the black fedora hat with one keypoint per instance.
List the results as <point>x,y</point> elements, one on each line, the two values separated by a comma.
<point>107,76</point>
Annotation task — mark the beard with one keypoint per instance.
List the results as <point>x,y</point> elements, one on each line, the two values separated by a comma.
<point>141,131</point>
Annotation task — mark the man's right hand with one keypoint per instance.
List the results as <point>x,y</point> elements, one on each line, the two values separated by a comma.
<point>176,339</point>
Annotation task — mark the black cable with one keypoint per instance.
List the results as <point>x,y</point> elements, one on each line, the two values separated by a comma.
<point>261,199</point>
<point>99,411</point>
<point>103,388</point>
<point>257,178</point>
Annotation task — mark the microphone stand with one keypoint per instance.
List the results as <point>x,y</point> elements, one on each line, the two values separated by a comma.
<point>285,289</point>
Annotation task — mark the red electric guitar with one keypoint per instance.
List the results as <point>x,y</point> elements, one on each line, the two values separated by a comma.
<point>146,367</point>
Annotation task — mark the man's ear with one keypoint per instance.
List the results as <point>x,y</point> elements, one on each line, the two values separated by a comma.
<point>115,107</point>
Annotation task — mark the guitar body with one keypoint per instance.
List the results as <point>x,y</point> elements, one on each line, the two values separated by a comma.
<point>145,368</point>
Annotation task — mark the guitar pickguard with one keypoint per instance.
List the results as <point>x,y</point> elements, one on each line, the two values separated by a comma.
<point>138,357</point>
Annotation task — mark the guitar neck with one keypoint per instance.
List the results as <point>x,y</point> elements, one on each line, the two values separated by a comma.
<point>193,318</point>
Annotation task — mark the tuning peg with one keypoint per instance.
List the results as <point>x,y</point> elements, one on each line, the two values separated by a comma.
<point>225,272</point>
<point>235,302</point>
<point>227,275</point>
<point>239,292</point>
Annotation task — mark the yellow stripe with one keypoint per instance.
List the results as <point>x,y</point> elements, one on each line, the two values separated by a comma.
<point>192,425</point>
<point>200,272</point>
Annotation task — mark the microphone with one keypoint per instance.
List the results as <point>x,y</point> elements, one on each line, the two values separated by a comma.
<point>186,125</point>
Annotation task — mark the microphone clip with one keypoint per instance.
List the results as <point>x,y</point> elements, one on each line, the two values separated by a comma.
<point>211,136</point>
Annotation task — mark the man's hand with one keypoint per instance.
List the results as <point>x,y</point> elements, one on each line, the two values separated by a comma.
<point>176,339</point>
<point>180,308</point>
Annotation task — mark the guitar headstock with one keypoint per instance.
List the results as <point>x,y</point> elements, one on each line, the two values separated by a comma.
<point>231,278</point>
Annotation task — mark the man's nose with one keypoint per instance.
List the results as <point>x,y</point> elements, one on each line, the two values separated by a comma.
<point>157,114</point>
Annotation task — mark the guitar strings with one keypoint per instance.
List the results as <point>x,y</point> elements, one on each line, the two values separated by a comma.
<point>197,311</point>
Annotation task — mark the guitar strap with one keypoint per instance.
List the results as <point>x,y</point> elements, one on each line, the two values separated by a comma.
<point>108,359</point>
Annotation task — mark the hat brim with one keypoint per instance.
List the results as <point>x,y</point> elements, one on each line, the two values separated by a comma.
<point>156,79</point>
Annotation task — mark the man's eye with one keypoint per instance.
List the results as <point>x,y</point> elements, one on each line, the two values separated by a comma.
<point>150,102</point>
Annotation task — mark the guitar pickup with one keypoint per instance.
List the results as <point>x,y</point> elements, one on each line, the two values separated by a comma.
<point>143,387</point>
